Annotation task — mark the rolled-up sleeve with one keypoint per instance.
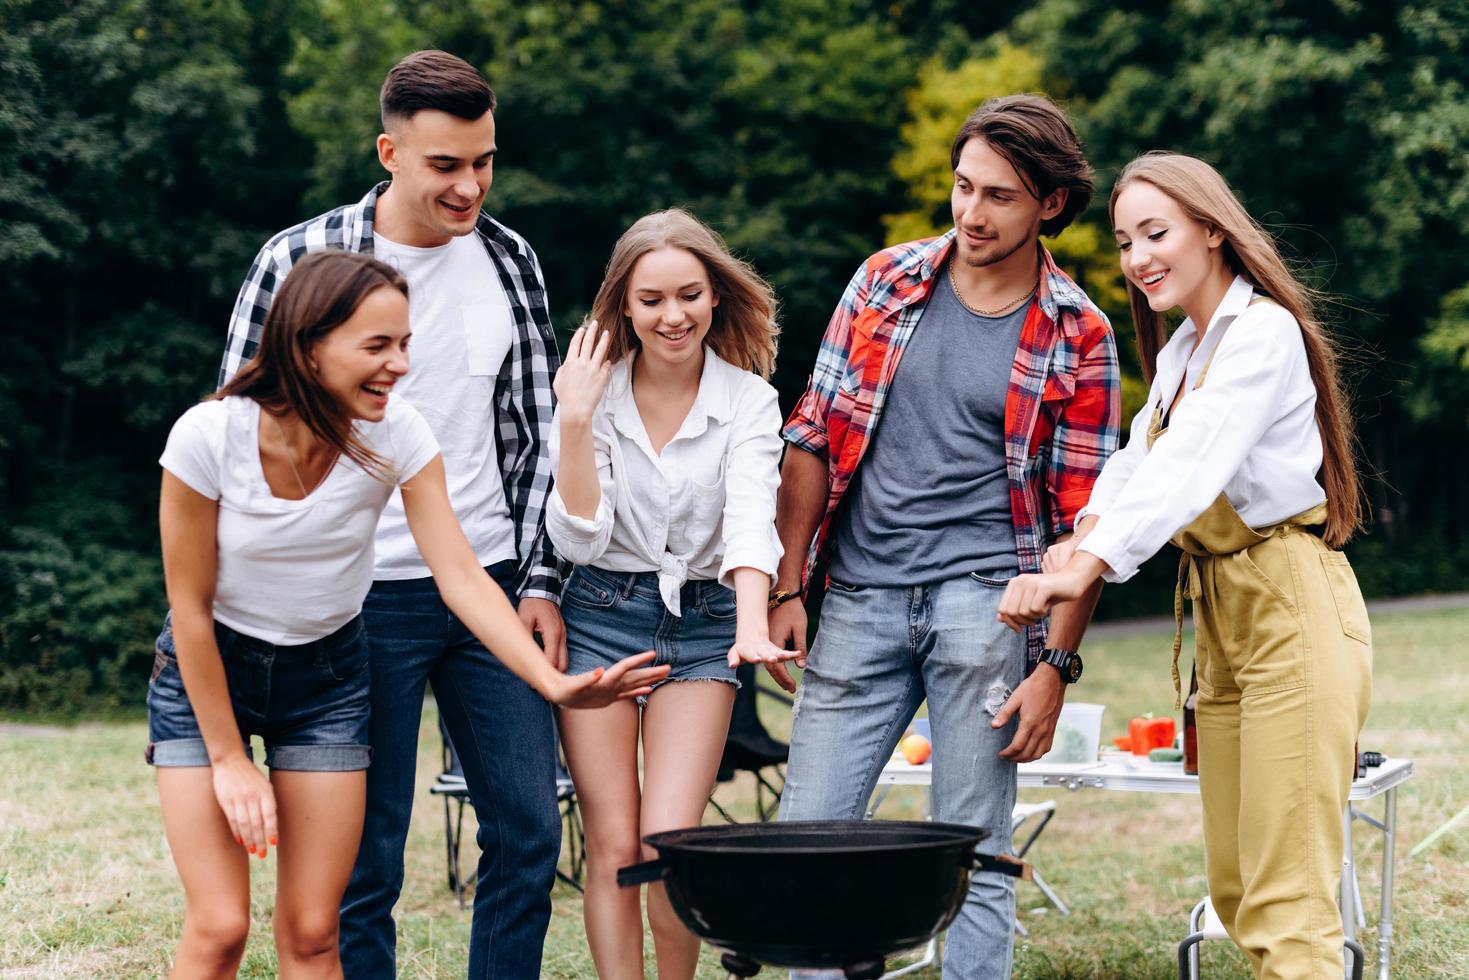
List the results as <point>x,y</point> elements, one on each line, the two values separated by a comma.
<point>577,539</point>
<point>752,476</point>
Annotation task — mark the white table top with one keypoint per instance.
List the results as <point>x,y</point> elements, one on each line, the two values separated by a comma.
<point>1127,773</point>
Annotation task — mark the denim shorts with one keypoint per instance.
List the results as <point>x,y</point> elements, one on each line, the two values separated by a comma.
<point>308,703</point>
<point>611,615</point>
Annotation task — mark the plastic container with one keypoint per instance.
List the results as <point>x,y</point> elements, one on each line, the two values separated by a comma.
<point>1078,733</point>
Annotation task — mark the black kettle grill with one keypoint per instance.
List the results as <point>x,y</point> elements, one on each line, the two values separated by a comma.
<point>826,894</point>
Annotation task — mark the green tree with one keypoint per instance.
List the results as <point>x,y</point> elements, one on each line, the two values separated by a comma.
<point>140,150</point>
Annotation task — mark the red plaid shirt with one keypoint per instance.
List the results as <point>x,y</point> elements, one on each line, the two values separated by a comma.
<point>1062,410</point>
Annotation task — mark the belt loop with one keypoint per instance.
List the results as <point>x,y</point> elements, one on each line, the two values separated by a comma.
<point>628,584</point>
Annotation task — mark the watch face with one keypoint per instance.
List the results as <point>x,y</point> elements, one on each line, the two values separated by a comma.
<point>1072,670</point>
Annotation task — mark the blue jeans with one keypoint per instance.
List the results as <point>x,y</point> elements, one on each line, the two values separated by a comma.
<point>878,654</point>
<point>611,615</point>
<point>502,731</point>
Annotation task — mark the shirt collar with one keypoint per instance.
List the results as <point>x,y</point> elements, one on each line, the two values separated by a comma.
<point>715,399</point>
<point>1055,291</point>
<point>365,216</point>
<point>1236,299</point>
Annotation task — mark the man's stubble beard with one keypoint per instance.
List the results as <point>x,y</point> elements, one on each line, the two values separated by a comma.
<point>983,260</point>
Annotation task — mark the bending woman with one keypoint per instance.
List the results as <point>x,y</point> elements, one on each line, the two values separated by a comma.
<point>666,450</point>
<point>271,493</point>
<point>1244,415</point>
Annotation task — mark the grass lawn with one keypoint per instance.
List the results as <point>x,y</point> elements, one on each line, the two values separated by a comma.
<point>87,887</point>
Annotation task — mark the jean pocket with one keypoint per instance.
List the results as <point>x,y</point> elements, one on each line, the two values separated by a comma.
<point>583,591</point>
<point>347,660</point>
<point>993,581</point>
<point>1350,608</point>
<point>161,662</point>
<point>719,604</point>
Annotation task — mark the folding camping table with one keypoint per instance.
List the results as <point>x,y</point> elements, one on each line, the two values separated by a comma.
<point>1131,774</point>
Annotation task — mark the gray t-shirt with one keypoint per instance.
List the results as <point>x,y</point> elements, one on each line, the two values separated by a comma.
<point>931,500</point>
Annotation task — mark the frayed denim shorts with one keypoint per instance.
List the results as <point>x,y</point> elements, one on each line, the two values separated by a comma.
<point>308,703</point>
<point>611,615</point>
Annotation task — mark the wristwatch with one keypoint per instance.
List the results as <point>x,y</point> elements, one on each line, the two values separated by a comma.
<point>782,595</point>
<point>1066,662</point>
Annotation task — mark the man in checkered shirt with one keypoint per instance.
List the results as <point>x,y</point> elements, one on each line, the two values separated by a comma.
<point>483,356</point>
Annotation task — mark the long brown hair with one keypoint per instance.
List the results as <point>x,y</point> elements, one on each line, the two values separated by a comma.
<point>744,330</point>
<point>321,292</point>
<point>1249,250</point>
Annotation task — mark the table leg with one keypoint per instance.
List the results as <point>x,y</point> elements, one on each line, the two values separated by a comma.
<point>1384,915</point>
<point>877,798</point>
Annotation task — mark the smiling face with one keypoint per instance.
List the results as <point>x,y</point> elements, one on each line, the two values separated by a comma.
<point>1170,257</point>
<point>995,213</point>
<point>359,362</point>
<point>442,167</point>
<point>671,304</point>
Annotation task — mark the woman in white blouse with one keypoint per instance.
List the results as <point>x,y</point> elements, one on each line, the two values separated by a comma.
<point>272,490</point>
<point>666,447</point>
<point>1243,458</point>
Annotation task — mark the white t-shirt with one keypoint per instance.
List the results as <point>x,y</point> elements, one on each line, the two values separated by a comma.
<point>462,331</point>
<point>291,571</point>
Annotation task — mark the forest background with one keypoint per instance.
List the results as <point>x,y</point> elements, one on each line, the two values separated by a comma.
<point>148,148</point>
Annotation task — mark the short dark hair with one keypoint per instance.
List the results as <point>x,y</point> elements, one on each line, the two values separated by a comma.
<point>435,80</point>
<point>1035,136</point>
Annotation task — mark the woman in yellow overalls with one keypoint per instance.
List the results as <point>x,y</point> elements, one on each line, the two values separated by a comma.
<point>1243,459</point>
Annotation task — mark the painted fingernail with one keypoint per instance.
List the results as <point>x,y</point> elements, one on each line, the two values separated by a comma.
<point>274,841</point>
<point>240,840</point>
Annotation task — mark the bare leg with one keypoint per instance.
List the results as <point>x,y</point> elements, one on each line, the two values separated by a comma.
<point>320,828</point>
<point>684,728</point>
<point>602,753</point>
<point>215,872</point>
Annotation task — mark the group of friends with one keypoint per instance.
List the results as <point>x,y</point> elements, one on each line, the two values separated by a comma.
<point>596,544</point>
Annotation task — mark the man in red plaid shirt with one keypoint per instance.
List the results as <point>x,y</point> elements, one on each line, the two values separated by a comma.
<point>964,399</point>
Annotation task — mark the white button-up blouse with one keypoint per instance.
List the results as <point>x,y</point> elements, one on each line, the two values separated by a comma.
<point>1250,432</point>
<point>700,509</point>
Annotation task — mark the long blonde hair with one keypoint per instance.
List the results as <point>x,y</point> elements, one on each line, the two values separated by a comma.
<point>1249,250</point>
<point>744,330</point>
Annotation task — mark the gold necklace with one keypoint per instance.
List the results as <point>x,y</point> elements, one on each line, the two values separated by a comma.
<point>954,281</point>
<point>291,460</point>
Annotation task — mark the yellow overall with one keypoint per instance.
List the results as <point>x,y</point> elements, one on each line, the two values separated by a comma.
<point>1284,666</point>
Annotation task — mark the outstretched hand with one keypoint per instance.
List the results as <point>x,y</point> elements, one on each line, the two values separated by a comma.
<point>628,678</point>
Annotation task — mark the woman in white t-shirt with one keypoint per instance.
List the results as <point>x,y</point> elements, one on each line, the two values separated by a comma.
<point>271,495</point>
<point>1242,457</point>
<point>666,447</point>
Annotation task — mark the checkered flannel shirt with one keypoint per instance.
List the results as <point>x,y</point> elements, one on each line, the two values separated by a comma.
<point>1062,410</point>
<point>523,395</point>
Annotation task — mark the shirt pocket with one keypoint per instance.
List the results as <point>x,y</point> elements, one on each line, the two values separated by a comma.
<point>487,333</point>
<point>704,504</point>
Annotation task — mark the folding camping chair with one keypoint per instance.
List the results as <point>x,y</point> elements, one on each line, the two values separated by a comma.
<point>451,786</point>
